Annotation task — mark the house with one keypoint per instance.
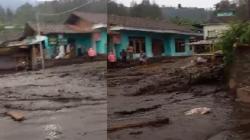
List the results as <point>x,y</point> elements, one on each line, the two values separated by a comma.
<point>212,31</point>
<point>9,56</point>
<point>25,54</point>
<point>79,32</point>
<point>154,37</point>
<point>96,23</point>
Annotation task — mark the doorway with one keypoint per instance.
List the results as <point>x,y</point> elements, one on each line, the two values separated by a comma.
<point>157,47</point>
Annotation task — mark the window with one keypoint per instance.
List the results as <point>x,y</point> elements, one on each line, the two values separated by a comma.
<point>180,45</point>
<point>138,43</point>
<point>212,34</point>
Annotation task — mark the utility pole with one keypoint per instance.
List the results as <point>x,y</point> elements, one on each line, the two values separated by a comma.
<point>40,43</point>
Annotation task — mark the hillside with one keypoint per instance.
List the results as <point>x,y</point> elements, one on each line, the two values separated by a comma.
<point>192,14</point>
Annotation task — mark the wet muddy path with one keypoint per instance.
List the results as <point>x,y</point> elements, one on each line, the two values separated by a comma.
<point>149,103</point>
<point>63,103</point>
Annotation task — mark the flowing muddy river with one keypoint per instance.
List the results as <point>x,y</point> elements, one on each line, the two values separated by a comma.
<point>149,103</point>
<point>63,103</point>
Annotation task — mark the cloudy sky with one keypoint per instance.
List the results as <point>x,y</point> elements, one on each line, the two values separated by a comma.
<point>174,3</point>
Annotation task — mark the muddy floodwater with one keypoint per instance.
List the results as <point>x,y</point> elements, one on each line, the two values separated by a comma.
<point>149,103</point>
<point>63,103</point>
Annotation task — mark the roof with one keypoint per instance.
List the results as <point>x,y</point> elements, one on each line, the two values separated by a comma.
<point>94,18</point>
<point>203,42</point>
<point>10,35</point>
<point>27,41</point>
<point>150,24</point>
<point>221,20</point>
<point>55,28</point>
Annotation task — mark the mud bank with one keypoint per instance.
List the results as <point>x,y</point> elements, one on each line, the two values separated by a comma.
<point>67,102</point>
<point>166,90</point>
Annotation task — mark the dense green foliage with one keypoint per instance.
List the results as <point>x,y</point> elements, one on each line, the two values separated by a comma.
<point>238,33</point>
<point>186,14</point>
<point>145,9</point>
<point>117,9</point>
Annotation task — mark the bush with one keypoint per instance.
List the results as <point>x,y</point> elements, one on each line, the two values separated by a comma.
<point>238,32</point>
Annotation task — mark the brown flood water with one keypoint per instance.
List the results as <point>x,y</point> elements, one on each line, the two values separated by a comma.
<point>63,103</point>
<point>144,94</point>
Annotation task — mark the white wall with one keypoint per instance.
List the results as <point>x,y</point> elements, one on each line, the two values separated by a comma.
<point>217,29</point>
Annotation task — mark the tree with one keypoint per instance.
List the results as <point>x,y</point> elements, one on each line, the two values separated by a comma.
<point>9,15</point>
<point>146,10</point>
<point>2,14</point>
<point>117,9</point>
<point>243,9</point>
<point>224,6</point>
<point>238,33</point>
<point>25,13</point>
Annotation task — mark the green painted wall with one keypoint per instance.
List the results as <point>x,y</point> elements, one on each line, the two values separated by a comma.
<point>101,45</point>
<point>82,41</point>
<point>171,43</point>
<point>168,41</point>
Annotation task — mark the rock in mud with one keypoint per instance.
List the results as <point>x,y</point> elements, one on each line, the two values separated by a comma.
<point>17,116</point>
<point>243,94</point>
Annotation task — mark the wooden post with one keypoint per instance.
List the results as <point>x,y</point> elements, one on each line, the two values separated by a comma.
<point>40,44</point>
<point>42,55</point>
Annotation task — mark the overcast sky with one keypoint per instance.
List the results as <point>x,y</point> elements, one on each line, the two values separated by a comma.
<point>174,3</point>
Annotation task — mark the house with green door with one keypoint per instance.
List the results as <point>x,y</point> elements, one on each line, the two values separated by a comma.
<point>154,37</point>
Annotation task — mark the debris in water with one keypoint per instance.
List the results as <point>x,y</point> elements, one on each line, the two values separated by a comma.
<point>136,133</point>
<point>243,94</point>
<point>17,116</point>
<point>200,111</point>
<point>138,124</point>
<point>139,110</point>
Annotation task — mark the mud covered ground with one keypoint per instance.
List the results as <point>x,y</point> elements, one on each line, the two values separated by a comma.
<point>142,99</point>
<point>63,103</point>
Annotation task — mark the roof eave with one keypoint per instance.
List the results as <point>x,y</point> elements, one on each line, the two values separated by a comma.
<point>118,28</point>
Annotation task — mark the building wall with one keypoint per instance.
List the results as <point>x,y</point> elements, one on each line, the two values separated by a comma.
<point>82,41</point>
<point>214,31</point>
<point>101,45</point>
<point>7,62</point>
<point>170,46</point>
<point>168,42</point>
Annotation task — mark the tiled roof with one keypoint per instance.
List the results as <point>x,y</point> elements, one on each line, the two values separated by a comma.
<point>54,28</point>
<point>136,22</point>
<point>10,35</point>
<point>94,18</point>
<point>219,20</point>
